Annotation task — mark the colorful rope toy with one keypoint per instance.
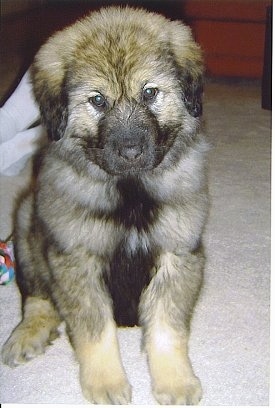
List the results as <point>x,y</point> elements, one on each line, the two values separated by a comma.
<point>7,263</point>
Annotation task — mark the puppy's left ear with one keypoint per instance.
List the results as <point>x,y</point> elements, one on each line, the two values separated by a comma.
<point>190,66</point>
<point>48,75</point>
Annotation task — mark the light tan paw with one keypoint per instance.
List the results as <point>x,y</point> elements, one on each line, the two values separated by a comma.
<point>33,334</point>
<point>111,390</point>
<point>173,393</point>
<point>25,343</point>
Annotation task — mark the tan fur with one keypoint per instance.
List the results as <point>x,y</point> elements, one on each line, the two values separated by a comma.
<point>173,381</point>
<point>102,376</point>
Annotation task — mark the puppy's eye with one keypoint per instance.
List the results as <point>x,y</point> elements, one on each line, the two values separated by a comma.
<point>98,101</point>
<point>149,94</point>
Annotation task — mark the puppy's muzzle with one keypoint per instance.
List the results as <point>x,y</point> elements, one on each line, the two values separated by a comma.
<point>128,140</point>
<point>129,149</point>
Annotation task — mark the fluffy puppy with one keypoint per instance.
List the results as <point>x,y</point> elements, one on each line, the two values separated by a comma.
<point>111,232</point>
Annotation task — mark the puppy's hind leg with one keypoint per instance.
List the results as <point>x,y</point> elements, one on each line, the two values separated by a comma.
<point>36,330</point>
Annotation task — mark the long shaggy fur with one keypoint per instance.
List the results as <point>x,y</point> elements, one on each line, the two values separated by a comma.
<point>111,232</point>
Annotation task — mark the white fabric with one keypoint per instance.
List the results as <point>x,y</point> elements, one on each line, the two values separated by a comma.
<point>15,152</point>
<point>16,142</point>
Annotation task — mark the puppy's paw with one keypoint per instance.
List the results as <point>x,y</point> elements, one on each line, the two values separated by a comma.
<point>25,343</point>
<point>188,392</point>
<point>106,390</point>
<point>30,338</point>
<point>173,379</point>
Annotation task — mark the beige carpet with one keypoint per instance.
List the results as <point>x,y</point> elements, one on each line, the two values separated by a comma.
<point>229,344</point>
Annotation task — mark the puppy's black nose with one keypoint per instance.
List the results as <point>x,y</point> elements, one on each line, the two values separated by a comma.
<point>131,152</point>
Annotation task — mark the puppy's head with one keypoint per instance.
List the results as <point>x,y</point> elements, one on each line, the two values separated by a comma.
<point>122,85</point>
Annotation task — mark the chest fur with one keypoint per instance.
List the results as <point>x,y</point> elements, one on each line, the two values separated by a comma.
<point>129,269</point>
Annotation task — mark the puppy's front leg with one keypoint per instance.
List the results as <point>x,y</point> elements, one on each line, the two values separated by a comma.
<point>165,311</point>
<point>102,377</point>
<point>86,307</point>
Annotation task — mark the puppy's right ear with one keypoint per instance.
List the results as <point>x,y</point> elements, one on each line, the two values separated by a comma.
<point>48,80</point>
